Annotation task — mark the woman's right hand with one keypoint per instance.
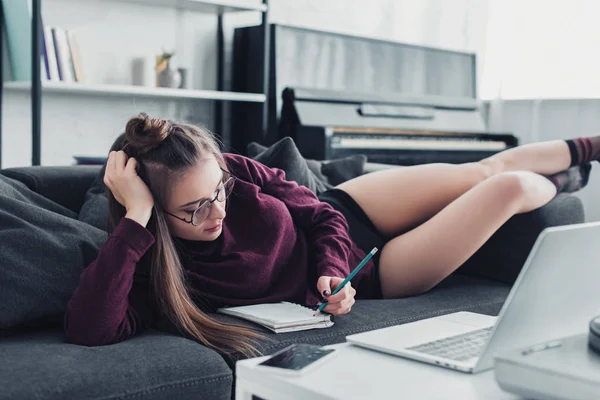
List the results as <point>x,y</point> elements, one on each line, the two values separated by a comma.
<point>127,187</point>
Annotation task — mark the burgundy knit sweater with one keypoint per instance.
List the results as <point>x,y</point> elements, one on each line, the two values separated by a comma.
<point>277,239</point>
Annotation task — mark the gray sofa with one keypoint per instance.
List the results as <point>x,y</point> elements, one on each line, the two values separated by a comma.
<point>37,363</point>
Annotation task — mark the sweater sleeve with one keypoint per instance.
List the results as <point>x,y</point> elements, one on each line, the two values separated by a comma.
<point>112,301</point>
<point>326,228</point>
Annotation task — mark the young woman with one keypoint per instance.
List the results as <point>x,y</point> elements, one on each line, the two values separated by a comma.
<point>193,229</point>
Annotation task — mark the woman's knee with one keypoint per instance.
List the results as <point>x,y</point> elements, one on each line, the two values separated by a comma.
<point>491,166</point>
<point>522,190</point>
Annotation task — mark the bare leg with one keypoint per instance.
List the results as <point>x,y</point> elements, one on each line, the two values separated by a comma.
<point>418,260</point>
<point>399,199</point>
<point>545,158</point>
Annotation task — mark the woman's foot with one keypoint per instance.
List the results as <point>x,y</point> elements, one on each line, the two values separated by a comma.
<point>572,179</point>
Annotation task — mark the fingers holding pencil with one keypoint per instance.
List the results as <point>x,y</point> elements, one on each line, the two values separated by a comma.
<point>324,283</point>
<point>339,303</point>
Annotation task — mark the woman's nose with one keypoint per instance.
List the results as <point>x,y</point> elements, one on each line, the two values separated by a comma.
<point>217,210</point>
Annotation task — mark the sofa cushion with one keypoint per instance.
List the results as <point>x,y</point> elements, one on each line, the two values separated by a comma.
<point>65,185</point>
<point>318,176</point>
<point>456,293</point>
<point>262,153</point>
<point>39,267</point>
<point>340,170</point>
<point>285,155</point>
<point>40,365</point>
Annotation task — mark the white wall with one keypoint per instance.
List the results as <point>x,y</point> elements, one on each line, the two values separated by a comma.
<point>542,75</point>
<point>543,49</point>
<point>553,119</point>
<point>111,34</point>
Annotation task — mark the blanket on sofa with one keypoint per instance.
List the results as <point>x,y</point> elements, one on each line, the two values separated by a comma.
<point>43,250</point>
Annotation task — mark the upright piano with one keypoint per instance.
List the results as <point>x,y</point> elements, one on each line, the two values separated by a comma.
<point>339,94</point>
<point>393,129</point>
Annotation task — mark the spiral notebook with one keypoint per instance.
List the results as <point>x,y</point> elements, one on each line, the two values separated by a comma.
<point>280,317</point>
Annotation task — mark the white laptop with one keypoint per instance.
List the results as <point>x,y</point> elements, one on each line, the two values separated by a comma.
<point>556,294</point>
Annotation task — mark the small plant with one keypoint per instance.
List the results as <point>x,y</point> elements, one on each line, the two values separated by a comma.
<point>164,58</point>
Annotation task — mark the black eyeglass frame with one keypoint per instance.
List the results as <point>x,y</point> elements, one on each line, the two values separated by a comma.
<point>209,202</point>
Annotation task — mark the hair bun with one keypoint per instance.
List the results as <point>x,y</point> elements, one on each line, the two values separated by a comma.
<point>144,133</point>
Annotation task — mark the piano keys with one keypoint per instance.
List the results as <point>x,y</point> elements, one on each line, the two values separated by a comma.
<point>400,131</point>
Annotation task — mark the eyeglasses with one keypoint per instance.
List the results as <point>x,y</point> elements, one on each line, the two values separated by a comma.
<point>200,214</point>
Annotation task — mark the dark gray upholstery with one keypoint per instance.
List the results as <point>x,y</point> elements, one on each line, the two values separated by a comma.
<point>316,175</point>
<point>40,365</point>
<point>39,267</point>
<point>502,256</point>
<point>64,185</point>
<point>94,210</point>
<point>154,365</point>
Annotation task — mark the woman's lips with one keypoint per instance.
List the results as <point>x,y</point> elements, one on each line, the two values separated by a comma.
<point>214,228</point>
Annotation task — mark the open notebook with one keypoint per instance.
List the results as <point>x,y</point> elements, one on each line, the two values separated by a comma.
<point>280,317</point>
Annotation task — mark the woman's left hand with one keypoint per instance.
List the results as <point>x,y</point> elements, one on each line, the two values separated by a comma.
<point>341,302</point>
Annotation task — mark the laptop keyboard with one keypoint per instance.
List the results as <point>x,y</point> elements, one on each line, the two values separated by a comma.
<point>460,348</point>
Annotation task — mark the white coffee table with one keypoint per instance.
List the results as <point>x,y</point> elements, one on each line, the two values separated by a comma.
<point>356,373</point>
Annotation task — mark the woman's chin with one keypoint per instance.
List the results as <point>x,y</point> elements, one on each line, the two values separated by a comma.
<point>204,235</point>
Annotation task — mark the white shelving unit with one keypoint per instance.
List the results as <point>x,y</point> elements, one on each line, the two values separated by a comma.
<point>205,6</point>
<point>140,91</point>
<point>216,7</point>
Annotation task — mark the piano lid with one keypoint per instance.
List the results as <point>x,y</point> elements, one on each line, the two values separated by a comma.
<point>317,107</point>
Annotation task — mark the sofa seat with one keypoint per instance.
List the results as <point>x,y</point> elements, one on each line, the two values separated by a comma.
<point>40,365</point>
<point>154,365</point>
<point>456,293</point>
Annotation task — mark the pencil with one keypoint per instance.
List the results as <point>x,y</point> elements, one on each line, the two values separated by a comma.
<point>345,281</point>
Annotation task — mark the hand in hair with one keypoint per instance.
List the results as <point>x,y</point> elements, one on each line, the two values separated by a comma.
<point>341,302</point>
<point>127,187</point>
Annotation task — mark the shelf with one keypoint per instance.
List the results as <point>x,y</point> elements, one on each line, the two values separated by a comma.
<point>141,91</point>
<point>205,6</point>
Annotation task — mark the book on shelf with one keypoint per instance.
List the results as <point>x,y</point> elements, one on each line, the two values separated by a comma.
<point>17,29</point>
<point>59,51</point>
<point>50,55</point>
<point>6,66</point>
<point>75,56</point>
<point>62,52</point>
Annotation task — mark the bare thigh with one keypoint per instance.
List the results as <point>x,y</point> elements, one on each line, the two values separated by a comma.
<point>401,198</point>
<point>417,260</point>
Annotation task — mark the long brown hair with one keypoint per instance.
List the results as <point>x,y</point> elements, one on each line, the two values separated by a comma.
<point>164,150</point>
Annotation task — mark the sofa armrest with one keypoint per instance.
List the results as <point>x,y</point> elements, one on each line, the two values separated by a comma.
<point>503,255</point>
<point>64,185</point>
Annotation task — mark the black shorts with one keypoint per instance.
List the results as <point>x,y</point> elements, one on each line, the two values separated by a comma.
<point>362,231</point>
